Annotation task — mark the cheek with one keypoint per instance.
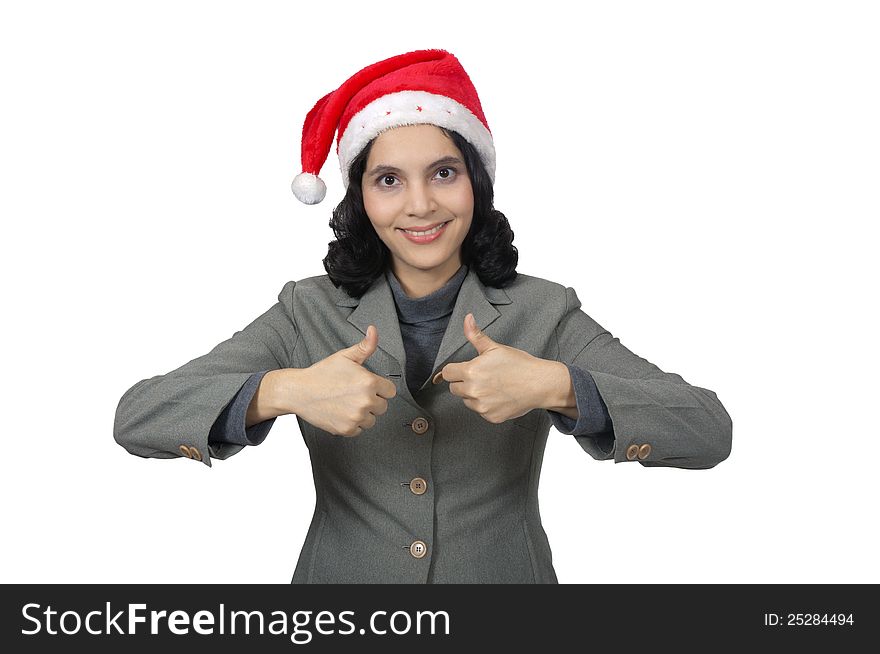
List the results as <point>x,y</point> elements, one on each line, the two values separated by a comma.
<point>370,205</point>
<point>379,211</point>
<point>464,200</point>
<point>466,216</point>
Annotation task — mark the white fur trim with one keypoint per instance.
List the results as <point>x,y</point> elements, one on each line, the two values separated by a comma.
<point>308,188</point>
<point>439,110</point>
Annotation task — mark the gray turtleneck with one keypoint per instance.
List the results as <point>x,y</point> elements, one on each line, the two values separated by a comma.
<point>423,322</point>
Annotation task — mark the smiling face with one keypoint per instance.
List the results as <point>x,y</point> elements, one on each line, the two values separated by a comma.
<point>415,179</point>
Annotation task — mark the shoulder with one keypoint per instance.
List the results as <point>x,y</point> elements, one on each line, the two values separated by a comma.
<point>537,292</point>
<point>525,284</point>
<point>525,289</point>
<point>317,288</point>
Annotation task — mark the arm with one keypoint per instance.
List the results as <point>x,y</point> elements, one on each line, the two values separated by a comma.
<point>588,414</point>
<point>658,418</point>
<point>168,415</point>
<point>231,426</point>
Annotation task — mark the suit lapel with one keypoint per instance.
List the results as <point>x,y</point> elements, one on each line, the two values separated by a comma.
<point>376,307</point>
<point>475,298</point>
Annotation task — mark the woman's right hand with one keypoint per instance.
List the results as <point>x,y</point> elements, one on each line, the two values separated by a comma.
<point>338,394</point>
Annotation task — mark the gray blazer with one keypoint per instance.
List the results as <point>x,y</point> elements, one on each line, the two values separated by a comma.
<point>432,493</point>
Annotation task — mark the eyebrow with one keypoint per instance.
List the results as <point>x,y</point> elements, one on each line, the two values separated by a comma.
<point>382,168</point>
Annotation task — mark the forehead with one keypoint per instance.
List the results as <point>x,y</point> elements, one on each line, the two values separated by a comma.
<point>411,142</point>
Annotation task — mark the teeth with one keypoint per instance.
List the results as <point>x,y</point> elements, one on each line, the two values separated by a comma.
<point>427,233</point>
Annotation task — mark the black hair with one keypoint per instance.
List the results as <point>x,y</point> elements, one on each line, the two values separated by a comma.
<point>358,256</point>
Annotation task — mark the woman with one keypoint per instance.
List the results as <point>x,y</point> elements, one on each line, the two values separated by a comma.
<point>424,371</point>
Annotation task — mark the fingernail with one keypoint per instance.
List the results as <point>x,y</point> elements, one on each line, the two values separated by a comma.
<point>438,377</point>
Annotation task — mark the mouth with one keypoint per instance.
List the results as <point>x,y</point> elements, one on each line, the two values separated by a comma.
<point>425,236</point>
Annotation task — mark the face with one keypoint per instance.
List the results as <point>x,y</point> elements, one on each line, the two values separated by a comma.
<point>416,179</point>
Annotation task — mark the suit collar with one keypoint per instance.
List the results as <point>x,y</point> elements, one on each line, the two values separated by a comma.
<point>376,307</point>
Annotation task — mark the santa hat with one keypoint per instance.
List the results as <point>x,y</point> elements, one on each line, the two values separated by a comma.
<point>423,86</point>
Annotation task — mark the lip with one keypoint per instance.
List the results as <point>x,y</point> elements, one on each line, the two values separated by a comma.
<point>424,228</point>
<point>425,239</point>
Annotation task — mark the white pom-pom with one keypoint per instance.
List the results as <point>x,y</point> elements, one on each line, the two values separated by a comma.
<point>308,188</point>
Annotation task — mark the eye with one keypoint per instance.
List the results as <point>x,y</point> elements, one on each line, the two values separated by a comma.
<point>384,178</point>
<point>450,173</point>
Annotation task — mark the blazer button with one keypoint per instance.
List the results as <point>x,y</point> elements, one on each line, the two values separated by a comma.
<point>420,425</point>
<point>418,549</point>
<point>644,451</point>
<point>185,451</point>
<point>418,486</point>
<point>632,452</point>
<point>195,453</point>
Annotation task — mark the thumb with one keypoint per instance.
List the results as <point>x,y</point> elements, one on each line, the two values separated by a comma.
<point>473,333</point>
<point>360,352</point>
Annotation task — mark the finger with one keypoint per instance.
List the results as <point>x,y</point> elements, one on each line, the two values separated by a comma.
<point>380,407</point>
<point>451,372</point>
<point>361,351</point>
<point>471,404</point>
<point>459,388</point>
<point>385,388</point>
<point>478,339</point>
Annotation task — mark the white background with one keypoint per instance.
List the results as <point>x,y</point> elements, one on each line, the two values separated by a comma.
<point>704,174</point>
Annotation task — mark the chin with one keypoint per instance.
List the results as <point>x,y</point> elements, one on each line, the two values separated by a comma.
<point>425,263</point>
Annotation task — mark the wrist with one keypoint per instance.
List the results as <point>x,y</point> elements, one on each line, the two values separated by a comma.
<point>272,397</point>
<point>283,390</point>
<point>560,395</point>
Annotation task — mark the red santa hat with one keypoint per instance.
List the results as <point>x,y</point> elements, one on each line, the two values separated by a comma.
<point>423,86</point>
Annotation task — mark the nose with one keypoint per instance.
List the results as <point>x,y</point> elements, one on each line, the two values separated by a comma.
<point>420,199</point>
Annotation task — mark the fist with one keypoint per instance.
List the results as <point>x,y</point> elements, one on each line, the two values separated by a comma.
<point>342,397</point>
<point>500,383</point>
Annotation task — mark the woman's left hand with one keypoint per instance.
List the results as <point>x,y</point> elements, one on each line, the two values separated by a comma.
<point>502,382</point>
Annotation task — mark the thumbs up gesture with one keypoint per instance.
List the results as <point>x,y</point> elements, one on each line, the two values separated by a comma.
<point>339,395</point>
<point>501,382</point>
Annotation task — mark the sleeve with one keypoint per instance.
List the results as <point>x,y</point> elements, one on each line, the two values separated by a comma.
<point>171,415</point>
<point>658,418</point>
<point>230,425</point>
<point>593,417</point>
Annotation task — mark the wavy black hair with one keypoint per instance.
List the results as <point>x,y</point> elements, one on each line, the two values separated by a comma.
<point>358,256</point>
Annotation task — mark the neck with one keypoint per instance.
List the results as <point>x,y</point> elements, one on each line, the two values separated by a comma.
<point>418,283</point>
